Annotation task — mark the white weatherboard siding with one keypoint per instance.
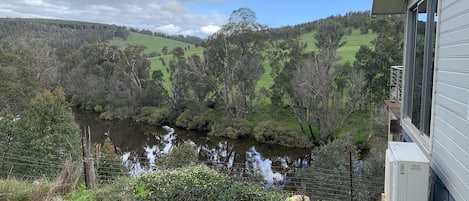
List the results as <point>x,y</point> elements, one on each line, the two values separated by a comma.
<point>450,145</point>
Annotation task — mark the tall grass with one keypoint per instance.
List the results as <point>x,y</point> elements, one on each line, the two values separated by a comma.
<point>65,183</point>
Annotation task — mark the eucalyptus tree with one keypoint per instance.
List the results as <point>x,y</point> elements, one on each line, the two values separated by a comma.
<point>284,57</point>
<point>318,83</point>
<point>387,51</point>
<point>46,132</point>
<point>233,61</point>
<point>103,74</point>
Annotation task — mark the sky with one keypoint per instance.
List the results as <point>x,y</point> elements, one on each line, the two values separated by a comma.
<point>179,17</point>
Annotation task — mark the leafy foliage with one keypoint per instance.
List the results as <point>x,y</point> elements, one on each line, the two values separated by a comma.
<point>234,128</point>
<point>387,52</point>
<point>153,115</point>
<point>18,84</point>
<point>331,167</point>
<point>46,131</point>
<point>181,156</point>
<point>201,122</point>
<point>197,183</point>
<point>273,132</point>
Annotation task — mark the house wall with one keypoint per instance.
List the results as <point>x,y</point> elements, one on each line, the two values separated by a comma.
<point>449,144</point>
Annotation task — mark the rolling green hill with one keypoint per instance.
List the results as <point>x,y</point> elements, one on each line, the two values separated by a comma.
<point>347,52</point>
<point>156,44</point>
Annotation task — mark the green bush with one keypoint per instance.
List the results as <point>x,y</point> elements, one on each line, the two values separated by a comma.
<point>184,120</point>
<point>235,128</point>
<point>153,115</point>
<point>272,132</point>
<point>202,122</point>
<point>98,108</point>
<point>248,192</point>
<point>118,189</point>
<point>106,116</point>
<point>198,183</point>
<point>182,155</point>
<point>82,194</point>
<point>189,183</point>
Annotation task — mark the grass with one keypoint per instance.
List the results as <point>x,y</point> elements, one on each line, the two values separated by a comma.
<point>346,52</point>
<point>156,44</point>
<point>358,124</point>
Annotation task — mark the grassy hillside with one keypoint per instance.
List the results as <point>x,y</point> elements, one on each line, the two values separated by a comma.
<point>156,44</point>
<point>347,52</point>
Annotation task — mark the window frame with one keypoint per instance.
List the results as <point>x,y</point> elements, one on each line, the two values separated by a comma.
<point>429,58</point>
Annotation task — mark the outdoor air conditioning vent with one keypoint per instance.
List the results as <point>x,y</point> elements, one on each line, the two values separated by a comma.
<point>407,173</point>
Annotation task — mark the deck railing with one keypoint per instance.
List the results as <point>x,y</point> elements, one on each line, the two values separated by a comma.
<point>395,85</point>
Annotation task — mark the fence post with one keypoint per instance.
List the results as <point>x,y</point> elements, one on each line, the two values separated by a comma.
<point>351,174</point>
<point>83,135</point>
<point>91,173</point>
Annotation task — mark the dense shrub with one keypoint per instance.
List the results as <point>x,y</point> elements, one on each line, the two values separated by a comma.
<point>153,115</point>
<point>182,155</point>
<point>185,119</point>
<point>106,116</point>
<point>272,132</point>
<point>119,189</point>
<point>201,122</point>
<point>190,183</point>
<point>235,128</point>
<point>197,183</point>
<point>248,192</point>
<point>98,108</point>
<point>46,133</point>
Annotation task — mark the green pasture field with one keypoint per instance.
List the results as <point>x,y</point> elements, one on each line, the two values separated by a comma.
<point>346,52</point>
<point>156,44</point>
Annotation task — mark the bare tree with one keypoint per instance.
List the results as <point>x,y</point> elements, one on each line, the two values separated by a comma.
<point>317,91</point>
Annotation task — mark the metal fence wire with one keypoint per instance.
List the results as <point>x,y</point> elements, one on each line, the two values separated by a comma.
<point>317,183</point>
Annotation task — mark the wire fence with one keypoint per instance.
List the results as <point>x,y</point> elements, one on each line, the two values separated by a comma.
<point>318,183</point>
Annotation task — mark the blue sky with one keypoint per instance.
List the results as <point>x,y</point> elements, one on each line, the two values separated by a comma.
<point>286,12</point>
<point>186,17</point>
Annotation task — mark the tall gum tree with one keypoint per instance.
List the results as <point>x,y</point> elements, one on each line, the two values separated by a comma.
<point>232,63</point>
<point>319,81</point>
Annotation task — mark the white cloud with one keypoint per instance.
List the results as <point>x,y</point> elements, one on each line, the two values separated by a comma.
<point>209,29</point>
<point>169,28</point>
<point>35,2</point>
<point>168,16</point>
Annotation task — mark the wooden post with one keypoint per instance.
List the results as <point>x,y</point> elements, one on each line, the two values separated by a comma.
<point>91,174</point>
<point>84,157</point>
<point>351,174</point>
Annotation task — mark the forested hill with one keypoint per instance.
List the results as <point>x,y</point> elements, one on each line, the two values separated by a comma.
<point>229,83</point>
<point>59,33</point>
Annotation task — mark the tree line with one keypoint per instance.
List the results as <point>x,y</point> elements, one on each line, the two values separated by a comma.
<point>59,33</point>
<point>216,91</point>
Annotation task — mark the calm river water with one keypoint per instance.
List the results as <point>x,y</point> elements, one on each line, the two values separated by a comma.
<point>138,140</point>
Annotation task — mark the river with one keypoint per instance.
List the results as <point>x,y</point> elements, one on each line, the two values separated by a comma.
<point>138,140</point>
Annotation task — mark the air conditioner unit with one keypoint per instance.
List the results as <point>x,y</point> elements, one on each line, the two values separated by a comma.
<point>407,173</point>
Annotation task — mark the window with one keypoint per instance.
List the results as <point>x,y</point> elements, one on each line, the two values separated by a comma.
<point>419,63</point>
